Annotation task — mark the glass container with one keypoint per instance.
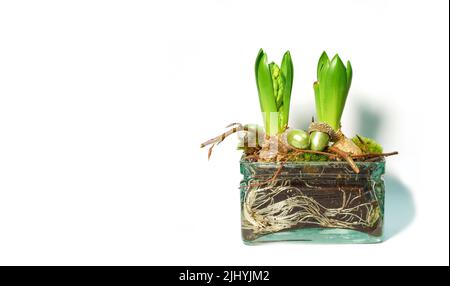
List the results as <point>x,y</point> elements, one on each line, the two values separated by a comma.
<point>323,202</point>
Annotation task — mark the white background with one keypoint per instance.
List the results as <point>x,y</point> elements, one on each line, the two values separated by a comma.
<point>103,105</point>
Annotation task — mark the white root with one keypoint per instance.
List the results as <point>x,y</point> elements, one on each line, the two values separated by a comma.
<point>263,215</point>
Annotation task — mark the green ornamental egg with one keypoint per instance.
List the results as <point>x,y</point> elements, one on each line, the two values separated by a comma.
<point>298,138</point>
<point>319,141</point>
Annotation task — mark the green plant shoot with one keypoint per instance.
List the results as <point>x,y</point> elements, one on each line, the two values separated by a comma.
<point>274,85</point>
<point>330,90</point>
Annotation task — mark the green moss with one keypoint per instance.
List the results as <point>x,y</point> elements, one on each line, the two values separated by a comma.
<point>367,145</point>
<point>308,157</point>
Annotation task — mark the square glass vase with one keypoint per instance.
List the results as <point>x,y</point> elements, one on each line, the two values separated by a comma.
<point>323,202</point>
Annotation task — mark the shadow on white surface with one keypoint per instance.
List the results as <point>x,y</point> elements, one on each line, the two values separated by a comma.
<point>370,120</point>
<point>399,209</point>
<point>399,204</point>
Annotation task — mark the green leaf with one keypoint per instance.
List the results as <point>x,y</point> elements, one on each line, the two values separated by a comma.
<point>258,60</point>
<point>349,75</point>
<point>335,92</point>
<point>287,71</point>
<point>322,87</point>
<point>322,61</point>
<point>265,89</point>
<point>317,99</point>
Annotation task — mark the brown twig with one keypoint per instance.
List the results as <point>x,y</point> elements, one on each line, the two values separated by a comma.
<point>373,159</point>
<point>345,156</point>
<point>210,150</point>
<point>374,155</point>
<point>221,137</point>
<point>216,140</point>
